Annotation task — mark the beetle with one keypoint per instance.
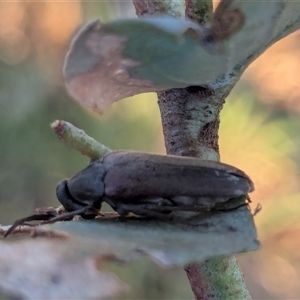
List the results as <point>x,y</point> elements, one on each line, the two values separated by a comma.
<point>151,185</point>
<point>145,184</point>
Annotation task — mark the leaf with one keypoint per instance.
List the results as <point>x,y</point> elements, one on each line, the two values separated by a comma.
<point>173,243</point>
<point>108,62</point>
<point>64,265</point>
<point>195,237</point>
<point>289,19</point>
<point>51,269</point>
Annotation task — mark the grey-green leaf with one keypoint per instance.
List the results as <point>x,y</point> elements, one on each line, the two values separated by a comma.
<point>108,62</point>
<point>168,243</point>
<point>64,265</point>
<point>53,269</point>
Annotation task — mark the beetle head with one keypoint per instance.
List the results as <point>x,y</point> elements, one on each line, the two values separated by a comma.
<point>85,189</point>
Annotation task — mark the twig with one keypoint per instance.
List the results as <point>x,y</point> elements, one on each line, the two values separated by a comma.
<point>200,11</point>
<point>257,209</point>
<point>79,140</point>
<point>196,281</point>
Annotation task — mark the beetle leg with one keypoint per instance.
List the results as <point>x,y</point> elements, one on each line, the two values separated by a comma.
<point>192,208</point>
<point>165,212</point>
<point>229,208</point>
<point>140,210</point>
<point>140,206</point>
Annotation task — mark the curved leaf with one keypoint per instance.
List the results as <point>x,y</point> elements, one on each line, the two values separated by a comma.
<point>169,243</point>
<point>64,265</point>
<point>107,62</point>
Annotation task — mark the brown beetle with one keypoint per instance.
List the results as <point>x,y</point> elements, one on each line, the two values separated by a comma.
<point>146,184</point>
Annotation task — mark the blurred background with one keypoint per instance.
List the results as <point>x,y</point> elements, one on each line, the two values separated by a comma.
<point>259,134</point>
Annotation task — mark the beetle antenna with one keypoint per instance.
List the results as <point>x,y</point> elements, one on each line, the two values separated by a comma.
<point>23,221</point>
<point>69,215</point>
<point>48,218</point>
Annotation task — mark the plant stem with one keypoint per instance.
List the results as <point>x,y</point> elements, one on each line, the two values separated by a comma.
<point>78,139</point>
<point>200,11</point>
<point>190,120</point>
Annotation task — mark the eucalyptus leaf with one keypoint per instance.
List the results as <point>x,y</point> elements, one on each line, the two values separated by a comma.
<point>108,62</point>
<point>64,265</point>
<point>169,243</point>
<point>51,269</point>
